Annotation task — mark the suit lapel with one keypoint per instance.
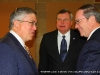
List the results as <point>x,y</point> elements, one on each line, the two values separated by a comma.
<point>15,44</point>
<point>72,41</point>
<point>54,51</point>
<point>94,35</point>
<point>72,44</point>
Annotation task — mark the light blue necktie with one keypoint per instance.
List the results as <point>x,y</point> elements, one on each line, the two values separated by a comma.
<point>63,49</point>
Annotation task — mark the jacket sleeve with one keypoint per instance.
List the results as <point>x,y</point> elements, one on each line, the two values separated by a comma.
<point>8,64</point>
<point>43,58</point>
<point>89,59</point>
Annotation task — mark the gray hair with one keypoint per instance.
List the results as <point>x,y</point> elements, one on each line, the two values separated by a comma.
<point>64,11</point>
<point>19,13</point>
<point>91,10</point>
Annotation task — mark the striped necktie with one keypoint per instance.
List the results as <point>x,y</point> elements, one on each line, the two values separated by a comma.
<point>28,51</point>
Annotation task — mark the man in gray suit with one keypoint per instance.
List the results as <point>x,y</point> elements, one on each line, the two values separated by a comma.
<point>88,23</point>
<point>14,59</point>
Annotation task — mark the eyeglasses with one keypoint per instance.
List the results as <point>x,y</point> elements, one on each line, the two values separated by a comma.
<point>64,20</point>
<point>77,21</point>
<point>31,23</point>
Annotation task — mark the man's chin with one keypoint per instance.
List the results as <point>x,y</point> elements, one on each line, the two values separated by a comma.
<point>80,33</point>
<point>30,38</point>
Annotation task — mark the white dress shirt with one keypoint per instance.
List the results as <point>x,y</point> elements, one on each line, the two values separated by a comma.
<point>92,33</point>
<point>59,39</point>
<point>17,37</point>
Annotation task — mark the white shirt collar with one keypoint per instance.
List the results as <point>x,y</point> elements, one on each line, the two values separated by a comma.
<point>17,37</point>
<point>59,37</point>
<point>92,33</point>
<point>66,34</point>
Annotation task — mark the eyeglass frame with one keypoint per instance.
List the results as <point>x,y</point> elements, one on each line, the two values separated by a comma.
<point>32,23</point>
<point>77,21</point>
<point>64,20</point>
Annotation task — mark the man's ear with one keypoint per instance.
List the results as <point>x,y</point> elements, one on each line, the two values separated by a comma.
<point>92,20</point>
<point>16,23</point>
<point>71,23</point>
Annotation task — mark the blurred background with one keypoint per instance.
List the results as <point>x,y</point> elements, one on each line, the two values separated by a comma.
<point>46,14</point>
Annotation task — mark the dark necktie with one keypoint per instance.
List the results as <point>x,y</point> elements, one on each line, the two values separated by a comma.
<point>63,49</point>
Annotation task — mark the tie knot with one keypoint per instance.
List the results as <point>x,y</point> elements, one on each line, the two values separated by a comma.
<point>63,36</point>
<point>28,51</point>
<point>26,47</point>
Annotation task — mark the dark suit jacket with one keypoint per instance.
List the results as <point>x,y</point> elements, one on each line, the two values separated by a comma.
<point>89,58</point>
<point>49,56</point>
<point>14,60</point>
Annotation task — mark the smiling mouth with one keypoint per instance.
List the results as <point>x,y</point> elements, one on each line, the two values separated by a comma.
<point>32,33</point>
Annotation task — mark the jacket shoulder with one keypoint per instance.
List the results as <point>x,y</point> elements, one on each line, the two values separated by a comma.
<point>51,33</point>
<point>75,33</point>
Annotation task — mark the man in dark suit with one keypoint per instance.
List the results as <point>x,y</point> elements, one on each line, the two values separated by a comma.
<point>88,24</point>
<point>14,59</point>
<point>50,62</point>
